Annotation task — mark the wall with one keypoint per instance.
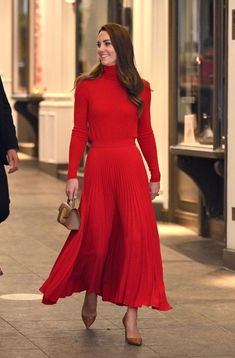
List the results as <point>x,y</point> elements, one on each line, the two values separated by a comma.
<point>150,39</point>
<point>6,48</point>
<point>229,252</point>
<point>58,45</point>
<point>58,61</point>
<point>5,40</point>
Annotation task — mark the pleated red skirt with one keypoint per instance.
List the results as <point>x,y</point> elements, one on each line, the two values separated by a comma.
<point>116,252</point>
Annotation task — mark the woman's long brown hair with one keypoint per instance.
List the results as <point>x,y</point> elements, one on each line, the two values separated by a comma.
<point>126,70</point>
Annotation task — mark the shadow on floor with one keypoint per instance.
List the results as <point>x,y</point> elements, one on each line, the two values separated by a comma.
<point>203,250</point>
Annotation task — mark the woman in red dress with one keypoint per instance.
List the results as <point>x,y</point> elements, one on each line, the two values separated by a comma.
<point>116,252</point>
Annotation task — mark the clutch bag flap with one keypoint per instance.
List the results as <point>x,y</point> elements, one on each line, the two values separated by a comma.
<point>68,216</point>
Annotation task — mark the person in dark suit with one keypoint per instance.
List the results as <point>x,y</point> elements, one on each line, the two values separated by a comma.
<point>8,152</point>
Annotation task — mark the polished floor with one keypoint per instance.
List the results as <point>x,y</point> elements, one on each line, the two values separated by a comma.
<point>202,323</point>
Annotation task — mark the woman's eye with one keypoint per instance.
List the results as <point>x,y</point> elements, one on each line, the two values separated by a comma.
<point>98,44</point>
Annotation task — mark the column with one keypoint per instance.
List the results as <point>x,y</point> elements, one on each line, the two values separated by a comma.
<point>6,46</point>
<point>58,62</point>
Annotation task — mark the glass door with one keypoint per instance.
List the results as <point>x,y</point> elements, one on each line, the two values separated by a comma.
<point>200,109</point>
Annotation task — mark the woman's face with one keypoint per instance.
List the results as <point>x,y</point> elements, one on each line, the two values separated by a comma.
<point>105,49</point>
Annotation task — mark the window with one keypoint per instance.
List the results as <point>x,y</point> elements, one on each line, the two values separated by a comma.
<point>27,54</point>
<point>200,63</point>
<point>91,15</point>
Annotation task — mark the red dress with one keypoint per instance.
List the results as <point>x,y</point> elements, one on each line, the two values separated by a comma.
<point>116,252</point>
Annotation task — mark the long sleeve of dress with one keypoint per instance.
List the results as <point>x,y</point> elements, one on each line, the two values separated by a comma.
<point>80,130</point>
<point>146,138</point>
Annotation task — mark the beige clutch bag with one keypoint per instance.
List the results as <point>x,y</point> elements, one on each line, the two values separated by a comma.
<point>68,215</point>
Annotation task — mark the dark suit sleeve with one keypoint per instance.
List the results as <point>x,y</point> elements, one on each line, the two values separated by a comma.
<point>8,138</point>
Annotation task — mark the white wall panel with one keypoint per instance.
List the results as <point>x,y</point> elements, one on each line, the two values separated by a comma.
<point>5,38</point>
<point>55,125</point>
<point>58,45</point>
<point>58,58</point>
<point>6,50</point>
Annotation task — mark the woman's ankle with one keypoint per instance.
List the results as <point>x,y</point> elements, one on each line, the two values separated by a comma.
<point>132,312</point>
<point>131,316</point>
<point>90,300</point>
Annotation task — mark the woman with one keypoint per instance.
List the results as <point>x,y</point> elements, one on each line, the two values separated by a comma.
<point>115,253</point>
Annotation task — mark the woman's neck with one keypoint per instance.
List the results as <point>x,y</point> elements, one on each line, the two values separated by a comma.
<point>110,72</point>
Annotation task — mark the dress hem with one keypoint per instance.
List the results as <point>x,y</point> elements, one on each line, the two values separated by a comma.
<point>159,307</point>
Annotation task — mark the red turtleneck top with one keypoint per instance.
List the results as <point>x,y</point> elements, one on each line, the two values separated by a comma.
<point>103,112</point>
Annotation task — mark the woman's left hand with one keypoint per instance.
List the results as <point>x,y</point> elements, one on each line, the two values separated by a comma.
<point>154,188</point>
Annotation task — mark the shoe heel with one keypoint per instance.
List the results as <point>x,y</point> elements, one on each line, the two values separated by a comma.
<point>134,341</point>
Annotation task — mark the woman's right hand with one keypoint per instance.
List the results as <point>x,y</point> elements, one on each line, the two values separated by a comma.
<point>72,188</point>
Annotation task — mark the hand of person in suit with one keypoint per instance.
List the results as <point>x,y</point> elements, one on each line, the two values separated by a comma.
<point>154,188</point>
<point>13,160</point>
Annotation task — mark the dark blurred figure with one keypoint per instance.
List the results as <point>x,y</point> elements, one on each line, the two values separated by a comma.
<point>8,154</point>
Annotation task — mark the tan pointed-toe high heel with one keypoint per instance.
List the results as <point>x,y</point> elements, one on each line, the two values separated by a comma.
<point>88,319</point>
<point>134,341</point>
